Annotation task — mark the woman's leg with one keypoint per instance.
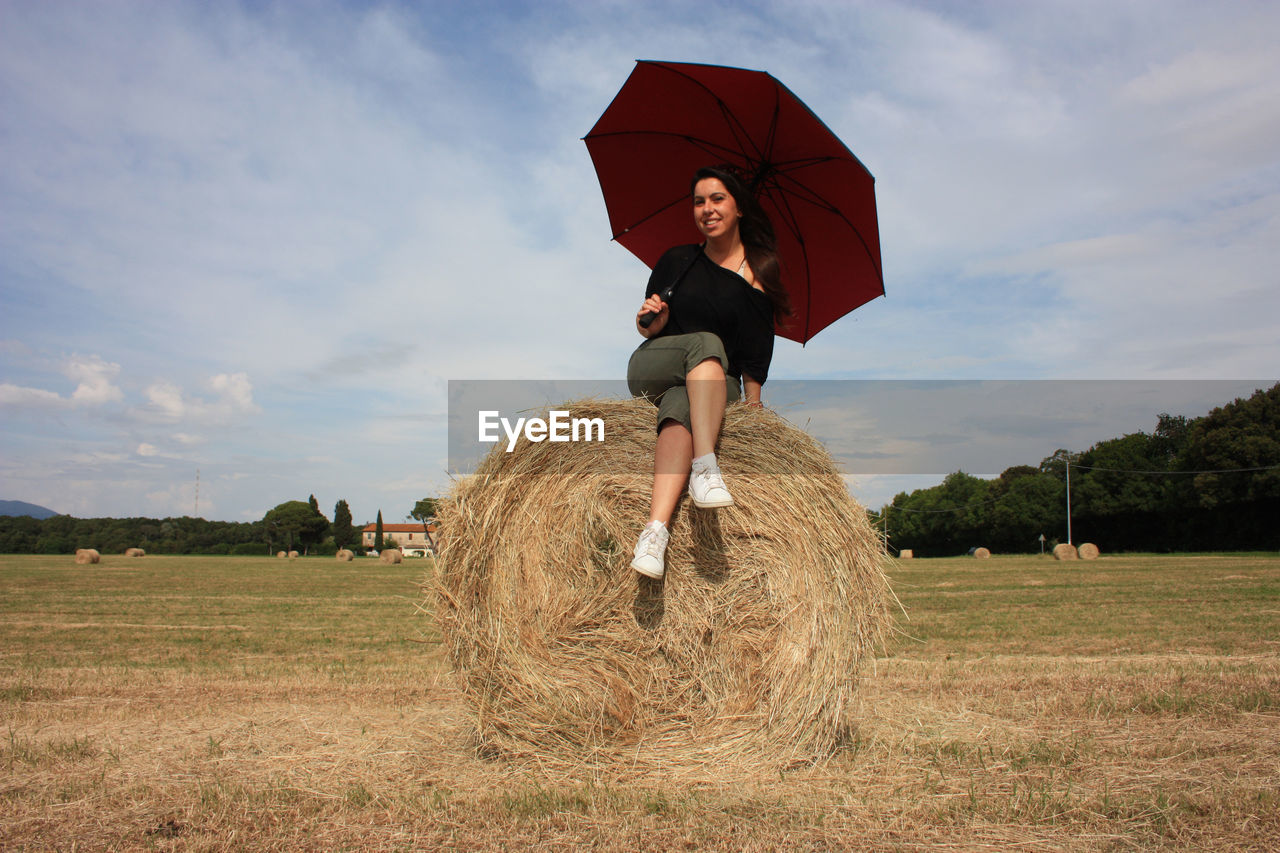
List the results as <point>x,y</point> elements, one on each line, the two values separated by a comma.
<point>707,395</point>
<point>671,459</point>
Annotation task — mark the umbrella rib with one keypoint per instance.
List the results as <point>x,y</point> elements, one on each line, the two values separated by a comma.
<point>811,197</point>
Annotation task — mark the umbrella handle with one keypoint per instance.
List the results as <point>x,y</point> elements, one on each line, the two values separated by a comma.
<point>647,318</point>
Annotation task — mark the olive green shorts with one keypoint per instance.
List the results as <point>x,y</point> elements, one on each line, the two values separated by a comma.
<point>658,368</point>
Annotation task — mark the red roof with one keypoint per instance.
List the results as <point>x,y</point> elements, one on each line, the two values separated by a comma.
<point>399,528</point>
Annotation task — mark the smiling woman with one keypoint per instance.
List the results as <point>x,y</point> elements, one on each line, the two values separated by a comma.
<point>708,319</point>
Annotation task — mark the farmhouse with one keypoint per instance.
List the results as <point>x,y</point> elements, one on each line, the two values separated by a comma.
<point>416,535</point>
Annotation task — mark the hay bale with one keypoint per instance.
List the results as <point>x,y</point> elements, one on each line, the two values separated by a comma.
<point>906,554</point>
<point>293,555</point>
<point>134,552</point>
<point>981,553</point>
<point>345,556</point>
<point>1088,551</point>
<point>391,555</point>
<point>746,655</point>
<point>281,555</point>
<point>1063,551</point>
<point>87,556</point>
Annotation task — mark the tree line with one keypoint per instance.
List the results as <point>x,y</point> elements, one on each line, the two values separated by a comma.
<point>1192,484</point>
<point>292,525</point>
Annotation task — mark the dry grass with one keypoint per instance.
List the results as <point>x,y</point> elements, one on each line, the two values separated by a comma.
<point>744,658</point>
<point>246,703</point>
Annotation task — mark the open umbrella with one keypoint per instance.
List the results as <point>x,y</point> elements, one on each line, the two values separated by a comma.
<point>670,118</point>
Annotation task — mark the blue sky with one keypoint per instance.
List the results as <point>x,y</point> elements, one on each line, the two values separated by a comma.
<point>258,239</point>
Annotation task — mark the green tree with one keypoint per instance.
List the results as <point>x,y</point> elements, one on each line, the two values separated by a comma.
<point>295,521</point>
<point>1241,434</point>
<point>343,533</point>
<point>424,509</point>
<point>377,533</point>
<point>315,504</point>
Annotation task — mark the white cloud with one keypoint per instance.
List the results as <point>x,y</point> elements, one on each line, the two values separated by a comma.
<point>37,398</point>
<point>145,449</point>
<point>94,376</point>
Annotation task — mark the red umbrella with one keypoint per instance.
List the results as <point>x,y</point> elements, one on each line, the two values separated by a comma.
<point>670,118</point>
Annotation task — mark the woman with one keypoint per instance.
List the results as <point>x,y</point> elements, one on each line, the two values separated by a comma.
<point>715,335</point>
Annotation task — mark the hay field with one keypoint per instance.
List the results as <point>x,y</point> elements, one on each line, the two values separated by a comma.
<point>226,704</point>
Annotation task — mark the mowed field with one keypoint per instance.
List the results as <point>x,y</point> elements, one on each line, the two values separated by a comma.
<point>222,703</point>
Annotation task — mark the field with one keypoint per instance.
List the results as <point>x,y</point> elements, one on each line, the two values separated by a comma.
<point>221,703</point>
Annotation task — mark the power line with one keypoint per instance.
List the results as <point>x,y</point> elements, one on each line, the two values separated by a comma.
<point>1210,471</point>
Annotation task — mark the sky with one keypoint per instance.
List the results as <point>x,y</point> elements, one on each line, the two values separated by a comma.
<point>257,240</point>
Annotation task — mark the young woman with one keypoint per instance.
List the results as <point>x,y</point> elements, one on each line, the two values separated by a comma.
<point>711,343</point>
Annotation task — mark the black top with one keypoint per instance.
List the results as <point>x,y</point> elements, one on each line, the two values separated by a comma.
<point>711,298</point>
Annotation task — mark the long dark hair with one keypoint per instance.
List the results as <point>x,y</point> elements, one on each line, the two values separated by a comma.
<point>758,238</point>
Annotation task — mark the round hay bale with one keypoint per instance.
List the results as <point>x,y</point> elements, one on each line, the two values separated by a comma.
<point>134,552</point>
<point>1088,551</point>
<point>87,556</point>
<point>281,555</point>
<point>981,553</point>
<point>906,554</point>
<point>745,655</point>
<point>1063,551</point>
<point>293,555</point>
<point>344,555</point>
<point>391,555</point>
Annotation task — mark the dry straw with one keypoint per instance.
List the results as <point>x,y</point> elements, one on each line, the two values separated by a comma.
<point>391,555</point>
<point>981,553</point>
<point>281,555</point>
<point>344,555</point>
<point>293,555</point>
<point>134,552</point>
<point>906,554</point>
<point>1089,551</point>
<point>86,556</point>
<point>745,656</point>
<point>1063,551</point>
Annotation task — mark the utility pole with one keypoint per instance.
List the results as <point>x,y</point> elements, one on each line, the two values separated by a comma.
<point>1069,542</point>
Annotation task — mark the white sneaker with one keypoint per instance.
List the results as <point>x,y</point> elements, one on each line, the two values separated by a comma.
<point>706,486</point>
<point>650,550</point>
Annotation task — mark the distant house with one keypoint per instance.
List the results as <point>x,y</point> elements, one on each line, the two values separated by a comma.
<point>415,535</point>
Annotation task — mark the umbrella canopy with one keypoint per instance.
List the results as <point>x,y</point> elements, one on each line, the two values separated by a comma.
<point>671,118</point>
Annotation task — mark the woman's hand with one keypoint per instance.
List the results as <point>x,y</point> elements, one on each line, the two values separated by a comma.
<point>653,305</point>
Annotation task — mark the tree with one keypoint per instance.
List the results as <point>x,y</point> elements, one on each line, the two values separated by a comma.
<point>424,509</point>
<point>1240,435</point>
<point>295,520</point>
<point>343,533</point>
<point>315,504</point>
<point>377,533</point>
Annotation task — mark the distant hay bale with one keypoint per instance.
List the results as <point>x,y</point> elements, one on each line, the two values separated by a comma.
<point>1063,551</point>
<point>87,556</point>
<point>746,655</point>
<point>391,555</point>
<point>281,555</point>
<point>1089,551</point>
<point>293,555</point>
<point>906,554</point>
<point>981,553</point>
<point>134,552</point>
<point>344,555</point>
